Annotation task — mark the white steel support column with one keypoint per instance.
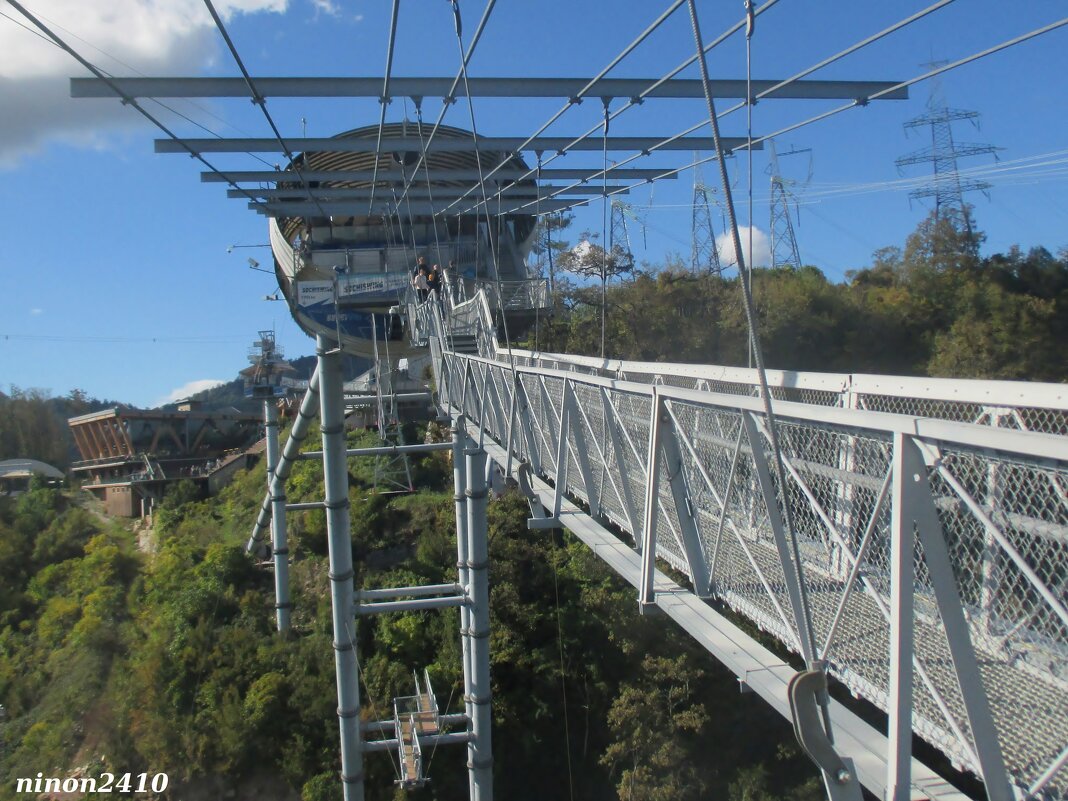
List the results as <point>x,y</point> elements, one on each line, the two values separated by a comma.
<point>480,751</point>
<point>778,528</point>
<point>902,585</point>
<point>459,479</point>
<point>309,409</point>
<point>951,609</point>
<point>684,507</point>
<point>336,480</point>
<point>646,595</point>
<point>279,540</point>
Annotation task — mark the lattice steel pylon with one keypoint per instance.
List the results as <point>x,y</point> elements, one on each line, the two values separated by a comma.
<point>784,252</point>
<point>617,232</point>
<point>704,255</point>
<point>946,185</point>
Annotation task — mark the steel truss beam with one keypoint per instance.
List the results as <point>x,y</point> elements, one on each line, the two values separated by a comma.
<point>500,176</point>
<point>437,193</point>
<point>358,208</point>
<point>480,87</point>
<point>486,144</point>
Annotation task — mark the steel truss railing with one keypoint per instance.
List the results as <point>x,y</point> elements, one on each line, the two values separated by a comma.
<point>934,552</point>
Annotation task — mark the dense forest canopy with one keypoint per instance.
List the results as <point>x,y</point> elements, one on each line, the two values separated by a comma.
<point>157,653</point>
<point>934,307</point>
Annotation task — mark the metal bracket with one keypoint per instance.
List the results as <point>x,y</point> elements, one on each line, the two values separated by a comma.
<point>839,776</point>
<point>537,511</point>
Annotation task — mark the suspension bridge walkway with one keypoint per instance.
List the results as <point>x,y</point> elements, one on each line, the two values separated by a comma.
<point>927,560</point>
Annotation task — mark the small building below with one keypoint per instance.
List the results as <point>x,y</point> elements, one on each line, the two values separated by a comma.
<point>16,474</point>
<point>131,456</point>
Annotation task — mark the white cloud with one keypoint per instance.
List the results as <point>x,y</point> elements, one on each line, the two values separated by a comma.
<point>123,37</point>
<point>35,311</point>
<point>761,247</point>
<point>326,7</point>
<point>184,391</point>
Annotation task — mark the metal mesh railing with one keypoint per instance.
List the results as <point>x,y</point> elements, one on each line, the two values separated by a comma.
<point>999,494</point>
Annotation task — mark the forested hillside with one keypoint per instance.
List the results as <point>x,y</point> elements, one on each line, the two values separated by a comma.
<point>161,657</point>
<point>33,424</point>
<point>934,307</point>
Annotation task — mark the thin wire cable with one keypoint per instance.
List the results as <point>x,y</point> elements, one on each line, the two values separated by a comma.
<point>126,99</point>
<point>116,59</point>
<point>604,225</point>
<point>384,101</point>
<point>450,98</point>
<point>494,252</point>
<point>860,102</point>
<point>563,677</point>
<point>259,100</point>
<point>802,615</point>
<point>638,100</point>
<point>761,95</point>
<point>750,23</point>
<point>582,92</point>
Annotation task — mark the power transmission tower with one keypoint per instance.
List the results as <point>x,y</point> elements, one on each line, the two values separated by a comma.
<point>704,255</point>
<point>784,252</point>
<point>946,186</point>
<point>618,235</point>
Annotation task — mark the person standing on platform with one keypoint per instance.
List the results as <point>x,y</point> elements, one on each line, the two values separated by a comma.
<point>422,288</point>
<point>433,281</point>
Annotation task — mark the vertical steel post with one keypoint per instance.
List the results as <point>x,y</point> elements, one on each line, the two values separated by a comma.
<point>459,479</point>
<point>902,579</point>
<point>336,480</point>
<point>480,753</point>
<point>646,592</point>
<point>279,540</point>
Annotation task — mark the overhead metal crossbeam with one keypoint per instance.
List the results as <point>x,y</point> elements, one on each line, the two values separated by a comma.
<point>334,209</point>
<point>262,176</point>
<point>437,193</point>
<point>480,87</point>
<point>490,144</point>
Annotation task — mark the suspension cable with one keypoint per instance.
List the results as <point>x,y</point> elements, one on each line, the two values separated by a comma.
<point>640,98</point>
<point>802,615</point>
<point>769,91</point>
<point>573,101</point>
<point>450,98</point>
<point>494,251</point>
<point>750,24</point>
<point>604,224</point>
<point>259,100</point>
<point>384,100</point>
<point>125,99</point>
<point>859,102</point>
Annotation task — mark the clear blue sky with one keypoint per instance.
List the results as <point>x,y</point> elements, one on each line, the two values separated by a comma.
<point>115,276</point>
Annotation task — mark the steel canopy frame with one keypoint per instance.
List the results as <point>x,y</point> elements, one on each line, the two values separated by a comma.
<point>439,193</point>
<point>271,176</point>
<point>382,206</point>
<point>341,87</point>
<point>491,144</point>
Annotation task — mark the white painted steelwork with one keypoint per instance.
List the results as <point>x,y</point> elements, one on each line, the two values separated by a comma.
<point>966,638</point>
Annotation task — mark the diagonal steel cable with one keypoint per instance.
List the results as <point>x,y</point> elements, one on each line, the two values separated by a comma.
<point>384,101</point>
<point>259,100</point>
<point>761,95</point>
<point>126,99</point>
